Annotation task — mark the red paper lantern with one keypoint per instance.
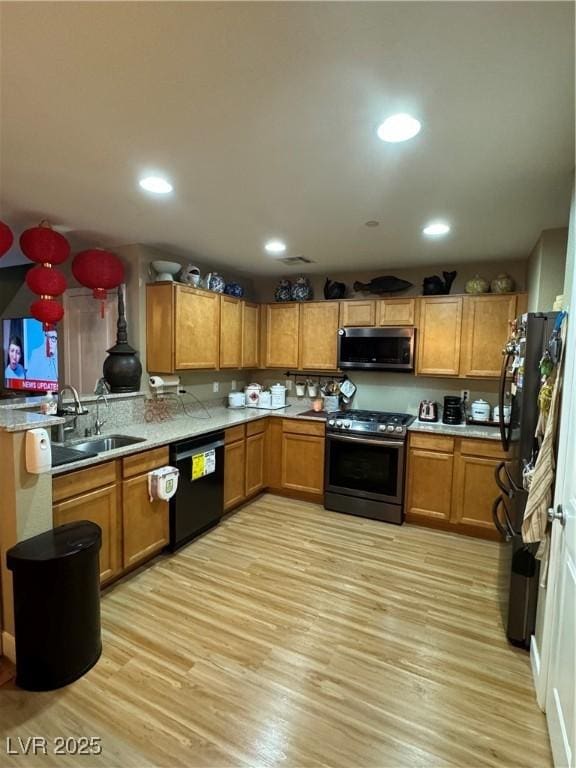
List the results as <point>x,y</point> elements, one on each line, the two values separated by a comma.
<point>6,238</point>
<point>43,245</point>
<point>48,311</point>
<point>45,280</point>
<point>99,270</point>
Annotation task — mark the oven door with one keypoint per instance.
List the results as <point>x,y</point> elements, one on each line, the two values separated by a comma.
<point>365,467</point>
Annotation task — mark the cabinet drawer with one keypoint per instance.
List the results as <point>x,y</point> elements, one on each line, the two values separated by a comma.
<point>303,427</point>
<point>145,461</point>
<point>428,442</point>
<point>83,480</point>
<point>256,427</point>
<point>490,448</point>
<point>235,433</point>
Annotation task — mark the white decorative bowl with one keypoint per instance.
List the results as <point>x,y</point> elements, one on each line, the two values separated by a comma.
<point>165,270</point>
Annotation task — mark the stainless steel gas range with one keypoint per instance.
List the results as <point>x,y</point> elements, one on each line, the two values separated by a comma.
<point>365,456</point>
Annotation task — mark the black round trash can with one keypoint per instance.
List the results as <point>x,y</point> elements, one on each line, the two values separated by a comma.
<point>56,579</point>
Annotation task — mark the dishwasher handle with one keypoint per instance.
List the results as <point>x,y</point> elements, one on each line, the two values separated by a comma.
<point>201,448</point>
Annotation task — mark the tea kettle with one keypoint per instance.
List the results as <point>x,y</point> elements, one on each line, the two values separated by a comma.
<point>428,410</point>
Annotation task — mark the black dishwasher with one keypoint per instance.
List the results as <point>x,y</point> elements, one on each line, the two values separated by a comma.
<point>198,504</point>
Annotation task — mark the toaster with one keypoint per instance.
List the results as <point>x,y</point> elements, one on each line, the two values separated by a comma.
<point>428,410</point>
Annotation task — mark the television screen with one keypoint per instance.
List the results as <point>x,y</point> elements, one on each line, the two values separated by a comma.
<point>30,356</point>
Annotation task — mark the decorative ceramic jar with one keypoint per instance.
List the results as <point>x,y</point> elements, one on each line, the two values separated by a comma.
<point>283,290</point>
<point>301,290</point>
<point>502,283</point>
<point>234,289</point>
<point>477,284</point>
<point>191,275</point>
<point>214,282</point>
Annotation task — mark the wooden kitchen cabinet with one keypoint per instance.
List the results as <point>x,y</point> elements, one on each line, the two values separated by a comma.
<point>319,323</point>
<point>234,468</point>
<point>230,332</point>
<point>281,335</point>
<point>303,456</point>
<point>357,313</point>
<point>182,328</point>
<point>439,336</point>
<point>430,471</point>
<point>395,312</point>
<point>92,494</point>
<point>450,483</point>
<point>145,523</point>
<point>255,447</point>
<point>486,327</point>
<point>250,335</point>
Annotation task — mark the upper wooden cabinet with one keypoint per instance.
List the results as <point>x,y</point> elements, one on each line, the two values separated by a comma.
<point>485,329</point>
<point>357,313</point>
<point>182,328</point>
<point>395,312</point>
<point>319,323</point>
<point>230,332</point>
<point>250,335</point>
<point>281,335</point>
<point>439,336</point>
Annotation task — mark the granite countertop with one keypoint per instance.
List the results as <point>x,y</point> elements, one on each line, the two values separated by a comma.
<point>457,430</point>
<point>157,434</point>
<point>18,420</point>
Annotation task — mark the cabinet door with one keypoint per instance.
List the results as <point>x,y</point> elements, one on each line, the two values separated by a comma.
<point>250,335</point>
<point>474,492</point>
<point>429,484</point>
<point>439,336</point>
<point>486,327</point>
<point>159,328</point>
<point>144,522</point>
<point>100,507</point>
<point>319,335</point>
<point>230,332</point>
<point>357,313</point>
<point>196,329</point>
<point>234,473</point>
<point>282,325</point>
<point>273,454</point>
<point>255,463</point>
<point>303,463</point>
<point>395,312</point>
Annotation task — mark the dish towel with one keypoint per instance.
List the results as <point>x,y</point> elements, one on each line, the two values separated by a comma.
<point>535,523</point>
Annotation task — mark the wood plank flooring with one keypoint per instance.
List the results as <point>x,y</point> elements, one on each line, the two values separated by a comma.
<point>292,636</point>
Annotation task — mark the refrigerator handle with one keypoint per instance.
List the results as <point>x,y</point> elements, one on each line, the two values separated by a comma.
<point>506,532</point>
<point>505,429</point>
<point>509,489</point>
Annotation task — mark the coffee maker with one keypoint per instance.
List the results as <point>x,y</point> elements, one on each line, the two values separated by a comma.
<point>452,410</point>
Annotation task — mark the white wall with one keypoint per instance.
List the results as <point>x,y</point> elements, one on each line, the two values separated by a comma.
<point>546,267</point>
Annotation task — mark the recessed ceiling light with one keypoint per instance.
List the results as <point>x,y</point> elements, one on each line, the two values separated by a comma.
<point>372,223</point>
<point>436,229</point>
<point>399,128</point>
<point>156,184</point>
<point>275,246</point>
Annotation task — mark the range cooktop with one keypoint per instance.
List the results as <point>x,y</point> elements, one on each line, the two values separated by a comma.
<point>374,422</point>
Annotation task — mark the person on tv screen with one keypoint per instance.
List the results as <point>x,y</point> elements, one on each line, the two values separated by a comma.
<point>14,369</point>
<point>43,360</point>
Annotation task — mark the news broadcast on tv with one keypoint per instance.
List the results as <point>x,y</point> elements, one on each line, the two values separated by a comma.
<point>30,356</point>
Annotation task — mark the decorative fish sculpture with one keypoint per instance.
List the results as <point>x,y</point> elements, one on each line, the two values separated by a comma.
<point>387,284</point>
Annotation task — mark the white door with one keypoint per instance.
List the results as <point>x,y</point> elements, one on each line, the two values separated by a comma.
<point>559,641</point>
<point>86,336</point>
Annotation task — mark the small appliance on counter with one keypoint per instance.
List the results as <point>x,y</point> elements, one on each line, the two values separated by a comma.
<point>428,410</point>
<point>236,400</point>
<point>452,410</point>
<point>480,410</point>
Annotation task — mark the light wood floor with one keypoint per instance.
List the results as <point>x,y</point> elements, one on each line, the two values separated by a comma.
<point>291,636</point>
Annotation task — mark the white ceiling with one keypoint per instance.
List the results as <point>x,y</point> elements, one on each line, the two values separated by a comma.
<point>263,115</point>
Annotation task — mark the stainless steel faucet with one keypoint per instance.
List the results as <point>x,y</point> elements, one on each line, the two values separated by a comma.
<point>98,422</point>
<point>70,413</point>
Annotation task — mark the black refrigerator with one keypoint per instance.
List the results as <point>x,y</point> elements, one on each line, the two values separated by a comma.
<point>519,386</point>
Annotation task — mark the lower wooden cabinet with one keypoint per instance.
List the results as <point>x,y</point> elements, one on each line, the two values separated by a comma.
<point>450,483</point>
<point>254,463</point>
<point>303,456</point>
<point>244,462</point>
<point>234,472</point>
<point>114,495</point>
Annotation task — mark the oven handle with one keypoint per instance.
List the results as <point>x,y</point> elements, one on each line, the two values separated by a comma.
<point>363,441</point>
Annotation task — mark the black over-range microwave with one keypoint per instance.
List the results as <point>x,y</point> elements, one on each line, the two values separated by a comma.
<point>376,349</point>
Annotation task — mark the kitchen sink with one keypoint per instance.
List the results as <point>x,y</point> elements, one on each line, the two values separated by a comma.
<point>108,443</point>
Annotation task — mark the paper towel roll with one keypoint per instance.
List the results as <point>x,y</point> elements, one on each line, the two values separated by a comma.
<point>159,382</point>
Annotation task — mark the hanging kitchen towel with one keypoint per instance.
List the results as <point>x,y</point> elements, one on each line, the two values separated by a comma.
<point>535,523</point>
